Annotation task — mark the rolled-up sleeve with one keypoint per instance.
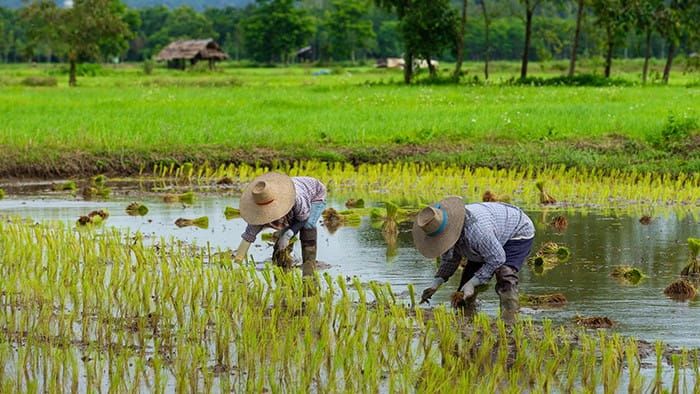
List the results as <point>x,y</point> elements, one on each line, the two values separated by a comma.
<point>251,231</point>
<point>449,262</point>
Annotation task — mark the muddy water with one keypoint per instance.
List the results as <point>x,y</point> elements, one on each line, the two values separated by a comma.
<point>598,241</point>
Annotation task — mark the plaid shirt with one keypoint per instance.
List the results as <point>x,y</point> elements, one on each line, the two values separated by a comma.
<point>487,227</point>
<point>308,190</point>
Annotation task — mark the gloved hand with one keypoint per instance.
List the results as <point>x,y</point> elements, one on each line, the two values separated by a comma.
<point>469,289</point>
<point>427,293</point>
<point>242,251</point>
<point>283,239</point>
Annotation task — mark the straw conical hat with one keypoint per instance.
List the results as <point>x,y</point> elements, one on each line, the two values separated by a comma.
<point>267,198</point>
<point>437,227</point>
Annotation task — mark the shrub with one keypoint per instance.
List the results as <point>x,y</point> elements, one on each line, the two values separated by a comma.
<point>37,80</point>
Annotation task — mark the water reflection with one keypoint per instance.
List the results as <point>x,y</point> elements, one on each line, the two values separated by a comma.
<point>599,241</point>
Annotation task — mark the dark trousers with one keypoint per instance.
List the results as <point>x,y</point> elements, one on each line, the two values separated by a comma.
<point>507,274</point>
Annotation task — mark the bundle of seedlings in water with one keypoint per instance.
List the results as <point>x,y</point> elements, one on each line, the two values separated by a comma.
<point>283,257</point>
<point>94,217</point>
<point>560,223</point>
<point>645,220</point>
<point>185,198</point>
<point>627,273</point>
<point>201,222</point>
<point>693,266</point>
<point>96,188</point>
<point>681,289</point>
<point>548,256</point>
<point>136,209</point>
<point>333,219</point>
<point>225,181</point>
<point>232,213</point>
<point>545,197</point>
<point>595,322</point>
<point>69,186</point>
<point>490,196</point>
<point>544,300</point>
<point>355,203</point>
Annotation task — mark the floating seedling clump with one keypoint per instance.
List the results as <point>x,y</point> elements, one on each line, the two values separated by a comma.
<point>185,198</point>
<point>94,217</point>
<point>692,268</point>
<point>69,186</point>
<point>595,322</point>
<point>560,223</point>
<point>544,300</point>
<point>355,203</point>
<point>232,213</point>
<point>201,222</point>
<point>136,209</point>
<point>333,220</point>
<point>545,197</point>
<point>645,220</point>
<point>627,273</point>
<point>490,196</point>
<point>548,256</point>
<point>681,289</point>
<point>96,188</point>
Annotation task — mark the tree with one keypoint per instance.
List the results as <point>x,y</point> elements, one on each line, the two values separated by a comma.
<point>530,7</point>
<point>460,38</point>
<point>580,5</point>
<point>275,29</point>
<point>676,19</point>
<point>77,31</point>
<point>428,29</point>
<point>488,16</point>
<point>646,14</point>
<point>611,15</point>
<point>227,24</point>
<point>349,27</point>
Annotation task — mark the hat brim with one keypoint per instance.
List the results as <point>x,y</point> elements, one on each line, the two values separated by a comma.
<point>433,246</point>
<point>285,195</point>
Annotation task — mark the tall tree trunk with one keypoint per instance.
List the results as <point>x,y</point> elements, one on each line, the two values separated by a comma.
<point>669,60</point>
<point>528,36</point>
<point>72,57</point>
<point>460,39</point>
<point>608,55</point>
<point>408,67</point>
<point>577,33</point>
<point>487,42</point>
<point>647,55</point>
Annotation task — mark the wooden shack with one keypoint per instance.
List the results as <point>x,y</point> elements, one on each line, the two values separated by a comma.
<point>179,52</point>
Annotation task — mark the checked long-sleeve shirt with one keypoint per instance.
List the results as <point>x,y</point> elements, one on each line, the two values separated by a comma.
<point>487,227</point>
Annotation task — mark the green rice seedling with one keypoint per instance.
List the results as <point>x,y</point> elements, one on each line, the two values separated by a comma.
<point>545,197</point>
<point>136,209</point>
<point>201,222</point>
<point>185,198</point>
<point>2,193</point>
<point>231,213</point>
<point>681,289</point>
<point>283,257</point>
<point>99,181</point>
<point>692,268</point>
<point>70,186</point>
<point>628,274</point>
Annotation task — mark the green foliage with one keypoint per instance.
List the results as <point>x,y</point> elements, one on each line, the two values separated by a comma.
<point>36,80</point>
<point>275,30</point>
<point>575,80</point>
<point>349,28</point>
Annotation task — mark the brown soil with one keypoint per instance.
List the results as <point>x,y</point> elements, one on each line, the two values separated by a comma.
<point>557,299</point>
<point>595,322</point>
<point>645,220</point>
<point>681,289</point>
<point>560,223</point>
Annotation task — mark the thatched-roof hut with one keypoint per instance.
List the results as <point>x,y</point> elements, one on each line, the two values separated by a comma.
<point>180,51</point>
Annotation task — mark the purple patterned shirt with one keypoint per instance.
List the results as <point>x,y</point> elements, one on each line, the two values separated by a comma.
<point>308,190</point>
<point>487,227</point>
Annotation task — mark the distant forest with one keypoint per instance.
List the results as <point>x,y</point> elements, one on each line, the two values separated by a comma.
<point>273,31</point>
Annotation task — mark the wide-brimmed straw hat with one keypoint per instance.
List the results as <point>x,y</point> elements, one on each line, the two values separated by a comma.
<point>268,197</point>
<point>437,227</point>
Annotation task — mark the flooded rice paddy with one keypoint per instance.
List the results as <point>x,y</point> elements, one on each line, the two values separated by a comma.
<point>599,240</point>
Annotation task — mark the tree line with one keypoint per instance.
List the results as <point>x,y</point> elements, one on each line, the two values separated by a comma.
<point>271,31</point>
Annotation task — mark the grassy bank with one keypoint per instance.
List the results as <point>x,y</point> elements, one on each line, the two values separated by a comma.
<point>121,121</point>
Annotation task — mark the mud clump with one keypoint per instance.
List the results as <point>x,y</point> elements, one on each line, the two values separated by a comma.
<point>681,289</point>
<point>595,322</point>
<point>645,220</point>
<point>94,217</point>
<point>225,181</point>
<point>552,300</point>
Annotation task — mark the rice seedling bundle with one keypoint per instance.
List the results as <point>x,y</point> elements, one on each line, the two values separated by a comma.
<point>201,222</point>
<point>681,289</point>
<point>692,268</point>
<point>108,309</point>
<point>627,273</point>
<point>136,209</point>
<point>185,198</point>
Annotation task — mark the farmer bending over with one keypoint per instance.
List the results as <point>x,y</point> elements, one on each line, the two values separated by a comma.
<point>289,205</point>
<point>494,238</point>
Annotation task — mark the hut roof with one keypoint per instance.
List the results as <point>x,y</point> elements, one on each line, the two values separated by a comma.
<point>190,49</point>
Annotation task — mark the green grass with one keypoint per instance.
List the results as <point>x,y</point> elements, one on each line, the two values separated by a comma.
<point>126,120</point>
